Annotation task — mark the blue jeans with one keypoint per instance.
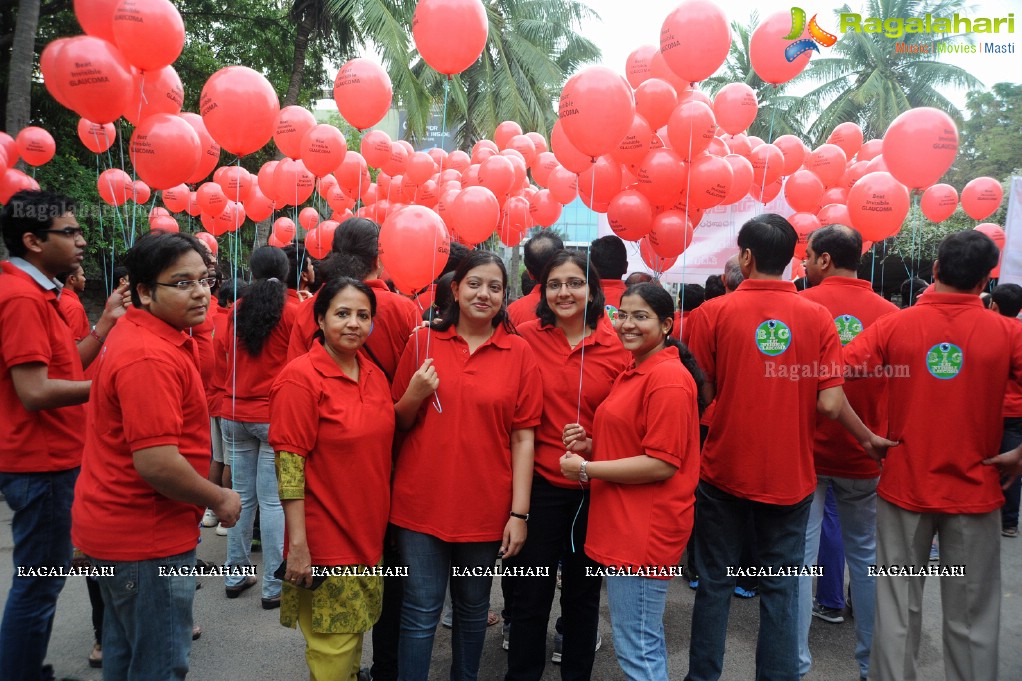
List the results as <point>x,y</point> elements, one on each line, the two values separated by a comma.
<point>857,511</point>
<point>721,524</point>
<point>830,586</point>
<point>637,620</point>
<point>1011,438</point>
<point>147,626</point>
<point>41,528</point>
<point>431,563</point>
<point>247,450</point>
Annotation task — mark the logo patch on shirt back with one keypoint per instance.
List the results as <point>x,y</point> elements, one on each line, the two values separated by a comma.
<point>611,313</point>
<point>944,360</point>
<point>848,327</point>
<point>773,337</point>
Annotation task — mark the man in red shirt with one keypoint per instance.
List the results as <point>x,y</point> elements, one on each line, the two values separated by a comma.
<point>832,260</point>
<point>1006,300</point>
<point>145,464</point>
<point>71,305</point>
<point>773,361</point>
<point>42,389</point>
<point>610,258</point>
<point>536,253</point>
<point>951,361</point>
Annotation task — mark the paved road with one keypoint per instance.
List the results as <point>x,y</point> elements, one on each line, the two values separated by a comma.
<point>242,641</point>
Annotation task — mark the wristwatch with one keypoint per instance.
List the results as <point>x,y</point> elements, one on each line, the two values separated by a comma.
<point>520,516</point>
<point>583,476</point>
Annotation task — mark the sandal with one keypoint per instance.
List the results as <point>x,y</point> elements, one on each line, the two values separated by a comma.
<point>196,632</point>
<point>96,656</point>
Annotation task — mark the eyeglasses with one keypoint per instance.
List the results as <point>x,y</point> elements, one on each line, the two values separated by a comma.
<point>189,284</point>
<point>638,317</point>
<point>572,284</point>
<point>73,232</point>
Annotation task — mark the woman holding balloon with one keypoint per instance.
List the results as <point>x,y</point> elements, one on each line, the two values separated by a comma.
<point>643,473</point>
<point>463,476</point>
<point>579,357</point>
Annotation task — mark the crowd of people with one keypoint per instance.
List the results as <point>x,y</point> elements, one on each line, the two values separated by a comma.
<point>589,434</point>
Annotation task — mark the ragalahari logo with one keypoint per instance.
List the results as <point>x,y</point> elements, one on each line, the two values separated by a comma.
<point>817,35</point>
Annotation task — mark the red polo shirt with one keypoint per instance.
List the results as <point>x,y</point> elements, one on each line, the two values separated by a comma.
<point>343,428</point>
<point>613,289</point>
<point>651,410</point>
<point>1013,398</point>
<point>854,307</point>
<point>768,352</point>
<point>452,479</point>
<point>203,335</point>
<point>74,313</point>
<point>147,393</point>
<point>596,362</point>
<point>395,318</point>
<point>524,309</point>
<point>248,377</point>
<point>946,412</point>
<point>33,330</point>
<point>221,340</point>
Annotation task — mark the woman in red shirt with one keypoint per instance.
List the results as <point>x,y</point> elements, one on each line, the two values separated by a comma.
<point>259,329</point>
<point>579,356</point>
<point>464,472</point>
<point>643,474</point>
<point>332,427</point>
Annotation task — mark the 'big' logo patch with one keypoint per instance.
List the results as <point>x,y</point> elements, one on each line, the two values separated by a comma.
<point>944,360</point>
<point>848,327</point>
<point>773,337</point>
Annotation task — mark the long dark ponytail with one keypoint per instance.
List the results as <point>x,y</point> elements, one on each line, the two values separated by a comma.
<point>263,302</point>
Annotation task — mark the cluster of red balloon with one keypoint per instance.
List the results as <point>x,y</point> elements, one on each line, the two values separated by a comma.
<point>35,146</point>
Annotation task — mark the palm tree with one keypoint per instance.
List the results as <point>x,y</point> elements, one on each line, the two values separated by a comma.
<point>870,84</point>
<point>773,119</point>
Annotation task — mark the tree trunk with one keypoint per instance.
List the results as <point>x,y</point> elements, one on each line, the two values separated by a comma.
<point>19,79</point>
<point>515,279</point>
<point>298,64</point>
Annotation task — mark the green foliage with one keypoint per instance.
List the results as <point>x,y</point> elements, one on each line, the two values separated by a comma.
<point>989,140</point>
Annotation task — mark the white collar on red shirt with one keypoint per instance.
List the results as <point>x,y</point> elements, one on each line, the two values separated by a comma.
<point>37,276</point>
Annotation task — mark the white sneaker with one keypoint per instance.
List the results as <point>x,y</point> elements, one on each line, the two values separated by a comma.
<point>221,531</point>
<point>209,518</point>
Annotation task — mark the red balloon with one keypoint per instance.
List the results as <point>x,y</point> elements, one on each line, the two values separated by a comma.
<point>450,34</point>
<point>538,141</point>
<point>766,50</point>
<point>740,144</point>
<point>176,198</point>
<point>735,107</point>
<point>544,208</point>
<point>323,149</point>
<point>827,161</point>
<point>284,229</point>
<point>474,214</point>
<point>852,174</point>
<point>741,183</point>
<point>658,68</point>
<point>503,135</point>
<point>150,33</point>
<point>836,195</point>
<point>655,99</point>
<point>767,164</point>
<point>919,146</point>
<point>630,215</point>
<point>939,202</point>
<point>695,39</point>
<point>794,152</point>
<point>414,246</point>
<point>765,193</point>
<point>257,206</point>
<point>596,110</point>
<point>662,177</point>
<point>210,156</point>
<point>517,215</point>
<point>848,136</point>
<point>995,232</point>
<point>48,65</point>
<point>164,150</point>
<point>691,129</point>
<point>518,166</point>
<point>635,145</point>
<point>232,217</point>
<point>563,185</point>
<point>834,214</point>
<point>803,191</point>
<point>141,192</point>
<point>601,181</point>
<point>524,146</point>
<point>318,244</point>
<point>637,66</point>
<point>96,17</point>
<point>398,161</point>
<point>456,160</point>
<point>35,145</point>
<point>114,186</point>
<point>363,93</point>
<point>420,168</point>
<point>655,262</point>
<point>804,224</point>
<point>164,223</point>
<point>307,218</point>
<point>497,174</point>
<point>710,180</point>
<point>292,183</point>
<point>265,179</point>
<point>12,181</point>
<point>870,150</point>
<point>240,109</point>
<point>670,234</point>
<point>292,124</point>
<point>376,148</point>
<point>211,198</point>
<point>566,152</point>
<point>154,92</point>
<point>94,78</point>
<point>980,197</point>
<point>877,205</point>
<point>876,165</point>
<point>236,182</point>
<point>544,165</point>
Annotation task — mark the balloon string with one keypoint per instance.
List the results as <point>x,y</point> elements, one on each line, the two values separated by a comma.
<point>107,276</point>
<point>766,165</point>
<point>912,255</point>
<point>872,264</point>
<point>443,134</point>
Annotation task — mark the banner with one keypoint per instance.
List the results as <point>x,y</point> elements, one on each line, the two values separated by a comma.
<point>1011,258</point>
